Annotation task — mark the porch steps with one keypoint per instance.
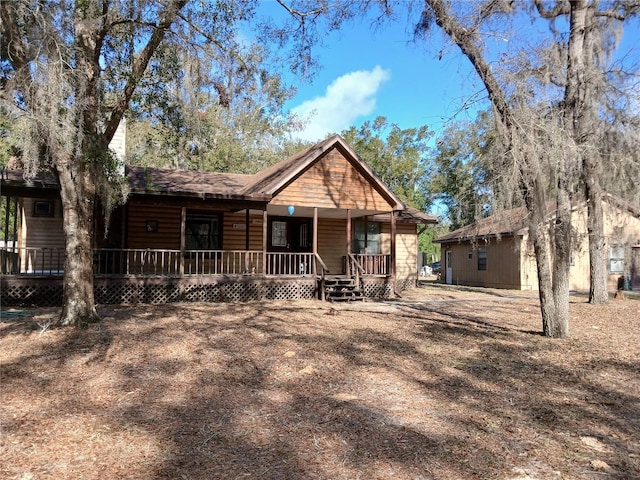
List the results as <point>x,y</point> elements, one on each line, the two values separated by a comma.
<point>341,289</point>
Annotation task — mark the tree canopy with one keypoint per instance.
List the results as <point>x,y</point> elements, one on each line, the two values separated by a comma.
<point>398,156</point>
<point>461,177</point>
<point>71,70</point>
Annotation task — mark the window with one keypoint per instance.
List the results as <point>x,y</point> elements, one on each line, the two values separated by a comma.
<point>366,237</point>
<point>43,208</point>
<point>616,259</point>
<point>305,239</point>
<point>470,254</point>
<point>482,258</point>
<point>202,232</point>
<point>278,234</point>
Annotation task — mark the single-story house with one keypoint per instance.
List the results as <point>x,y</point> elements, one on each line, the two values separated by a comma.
<point>496,251</point>
<point>318,223</point>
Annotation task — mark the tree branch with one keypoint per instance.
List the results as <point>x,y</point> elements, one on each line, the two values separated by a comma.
<point>302,15</point>
<point>562,7</point>
<point>621,10</point>
<point>13,46</point>
<point>168,17</point>
<point>464,39</point>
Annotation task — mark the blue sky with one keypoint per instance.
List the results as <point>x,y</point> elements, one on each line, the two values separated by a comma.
<point>365,74</point>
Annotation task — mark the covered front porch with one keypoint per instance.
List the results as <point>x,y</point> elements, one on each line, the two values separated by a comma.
<point>303,249</point>
<point>34,276</point>
<point>286,231</point>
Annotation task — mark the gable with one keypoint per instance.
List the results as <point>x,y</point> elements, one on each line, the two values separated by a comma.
<point>333,181</point>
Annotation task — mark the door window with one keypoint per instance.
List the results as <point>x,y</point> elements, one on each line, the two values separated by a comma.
<point>279,234</point>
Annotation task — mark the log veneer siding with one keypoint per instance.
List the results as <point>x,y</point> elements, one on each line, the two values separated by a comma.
<point>332,182</point>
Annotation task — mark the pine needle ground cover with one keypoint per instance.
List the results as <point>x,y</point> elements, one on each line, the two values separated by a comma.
<point>445,383</point>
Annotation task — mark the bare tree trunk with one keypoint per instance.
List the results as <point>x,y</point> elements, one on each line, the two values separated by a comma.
<point>561,261</point>
<point>77,191</point>
<point>598,293</point>
<point>552,264</point>
<point>580,102</point>
<point>553,283</point>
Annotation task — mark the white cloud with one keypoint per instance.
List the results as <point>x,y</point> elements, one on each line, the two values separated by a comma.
<point>348,97</point>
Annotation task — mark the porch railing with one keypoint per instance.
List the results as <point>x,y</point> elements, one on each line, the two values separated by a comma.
<point>160,262</point>
<point>371,264</point>
<point>290,263</point>
<point>32,261</point>
<point>222,262</point>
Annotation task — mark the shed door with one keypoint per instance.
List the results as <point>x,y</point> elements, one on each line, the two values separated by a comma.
<point>449,268</point>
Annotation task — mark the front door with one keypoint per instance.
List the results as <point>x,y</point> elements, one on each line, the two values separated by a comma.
<point>448,267</point>
<point>290,235</point>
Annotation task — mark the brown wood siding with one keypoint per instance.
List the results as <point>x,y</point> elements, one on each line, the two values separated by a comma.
<point>406,251</point>
<point>579,271</point>
<point>528,267</point>
<point>332,182</point>
<point>620,228</point>
<point>41,232</point>
<point>234,238</point>
<point>503,264</point>
<point>332,243</point>
<point>168,218</point>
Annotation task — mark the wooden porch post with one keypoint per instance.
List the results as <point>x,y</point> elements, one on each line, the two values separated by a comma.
<point>183,240</point>
<point>246,231</point>
<point>349,247</point>
<point>16,211</point>
<point>246,242</point>
<point>393,251</point>
<point>6,223</point>
<point>264,241</point>
<point>314,244</point>
<point>124,226</point>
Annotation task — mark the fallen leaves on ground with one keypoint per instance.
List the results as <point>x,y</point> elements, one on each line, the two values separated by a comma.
<point>445,383</point>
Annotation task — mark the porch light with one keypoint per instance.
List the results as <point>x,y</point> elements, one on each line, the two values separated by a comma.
<point>291,209</point>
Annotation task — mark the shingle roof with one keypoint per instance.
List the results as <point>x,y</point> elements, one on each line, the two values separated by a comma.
<point>408,215</point>
<point>259,187</point>
<point>273,179</point>
<point>509,222</point>
<point>189,183</point>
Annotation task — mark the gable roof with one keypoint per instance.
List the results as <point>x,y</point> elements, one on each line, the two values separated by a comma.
<point>260,187</point>
<point>275,178</point>
<point>509,222</point>
<point>514,222</point>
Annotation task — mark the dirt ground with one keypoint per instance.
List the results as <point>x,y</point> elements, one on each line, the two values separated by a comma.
<point>445,383</point>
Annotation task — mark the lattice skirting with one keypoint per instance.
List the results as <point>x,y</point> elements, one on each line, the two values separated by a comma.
<point>45,293</point>
<point>377,288</point>
<point>48,292</point>
<point>406,283</point>
<point>20,291</point>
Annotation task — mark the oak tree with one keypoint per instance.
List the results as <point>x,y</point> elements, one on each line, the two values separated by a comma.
<point>71,70</point>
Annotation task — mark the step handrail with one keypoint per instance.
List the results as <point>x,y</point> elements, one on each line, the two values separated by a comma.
<point>356,263</point>
<point>324,271</point>
<point>359,270</point>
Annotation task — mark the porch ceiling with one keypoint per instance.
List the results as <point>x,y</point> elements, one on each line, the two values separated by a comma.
<point>307,212</point>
